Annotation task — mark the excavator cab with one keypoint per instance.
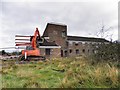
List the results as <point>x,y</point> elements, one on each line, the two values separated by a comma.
<point>39,41</point>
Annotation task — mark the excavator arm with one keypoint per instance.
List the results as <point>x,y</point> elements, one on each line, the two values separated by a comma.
<point>32,41</point>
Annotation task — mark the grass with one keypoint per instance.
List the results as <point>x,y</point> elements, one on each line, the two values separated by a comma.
<point>76,72</point>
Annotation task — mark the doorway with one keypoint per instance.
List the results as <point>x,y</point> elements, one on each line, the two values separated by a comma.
<point>66,53</point>
<point>47,51</point>
<point>61,53</point>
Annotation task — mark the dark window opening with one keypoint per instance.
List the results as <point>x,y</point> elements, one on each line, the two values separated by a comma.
<point>65,53</point>
<point>61,53</point>
<point>47,51</point>
<point>70,51</point>
<point>76,44</point>
<point>77,51</point>
<point>83,50</point>
<point>67,43</point>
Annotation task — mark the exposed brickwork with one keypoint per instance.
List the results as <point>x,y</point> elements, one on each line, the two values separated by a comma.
<point>54,52</point>
<point>54,32</point>
<point>70,46</point>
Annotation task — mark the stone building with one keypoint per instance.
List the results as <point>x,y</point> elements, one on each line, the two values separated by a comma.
<point>58,44</point>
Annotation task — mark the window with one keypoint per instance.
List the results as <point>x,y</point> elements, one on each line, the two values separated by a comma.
<point>77,51</point>
<point>76,44</point>
<point>70,51</point>
<point>67,43</point>
<point>47,51</point>
<point>83,42</point>
<point>96,46</point>
<point>63,34</point>
<point>61,53</point>
<point>83,50</point>
<point>66,53</point>
<point>70,42</point>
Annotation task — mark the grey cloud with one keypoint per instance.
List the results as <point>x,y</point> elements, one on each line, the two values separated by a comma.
<point>81,18</point>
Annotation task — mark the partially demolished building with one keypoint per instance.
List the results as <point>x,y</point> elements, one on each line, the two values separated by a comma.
<point>58,44</point>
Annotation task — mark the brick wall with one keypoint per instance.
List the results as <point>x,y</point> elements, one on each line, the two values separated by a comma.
<point>54,52</point>
<point>75,49</point>
<point>58,34</point>
<point>55,33</point>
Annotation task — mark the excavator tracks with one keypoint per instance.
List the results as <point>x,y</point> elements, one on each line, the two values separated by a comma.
<point>22,60</point>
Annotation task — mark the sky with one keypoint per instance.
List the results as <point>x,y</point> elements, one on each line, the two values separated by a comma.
<point>82,17</point>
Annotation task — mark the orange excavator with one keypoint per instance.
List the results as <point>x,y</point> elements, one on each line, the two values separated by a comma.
<point>32,51</point>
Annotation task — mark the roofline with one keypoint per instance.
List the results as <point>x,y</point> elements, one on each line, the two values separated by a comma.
<point>52,23</point>
<point>49,46</point>
<point>87,38</point>
<point>58,24</point>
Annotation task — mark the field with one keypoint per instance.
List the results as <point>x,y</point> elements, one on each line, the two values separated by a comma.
<point>76,72</point>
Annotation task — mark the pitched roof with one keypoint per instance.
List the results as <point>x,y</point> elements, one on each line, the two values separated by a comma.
<point>77,38</point>
<point>58,24</point>
<point>46,31</point>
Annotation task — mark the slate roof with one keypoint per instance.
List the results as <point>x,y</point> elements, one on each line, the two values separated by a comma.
<point>92,39</point>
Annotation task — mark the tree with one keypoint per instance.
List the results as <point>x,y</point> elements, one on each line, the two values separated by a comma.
<point>16,53</point>
<point>107,51</point>
<point>104,33</point>
<point>3,52</point>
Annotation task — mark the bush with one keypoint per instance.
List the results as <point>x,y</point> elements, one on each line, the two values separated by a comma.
<point>109,52</point>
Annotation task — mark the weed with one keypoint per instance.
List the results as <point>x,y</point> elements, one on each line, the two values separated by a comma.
<point>74,72</point>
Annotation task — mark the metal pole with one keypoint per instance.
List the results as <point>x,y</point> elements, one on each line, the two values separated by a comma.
<point>25,55</point>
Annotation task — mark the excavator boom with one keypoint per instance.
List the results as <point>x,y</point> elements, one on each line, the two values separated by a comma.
<point>31,42</point>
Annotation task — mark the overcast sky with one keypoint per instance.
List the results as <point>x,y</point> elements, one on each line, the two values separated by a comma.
<point>81,18</point>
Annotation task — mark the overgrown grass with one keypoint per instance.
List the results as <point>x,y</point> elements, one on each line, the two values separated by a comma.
<point>76,72</point>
